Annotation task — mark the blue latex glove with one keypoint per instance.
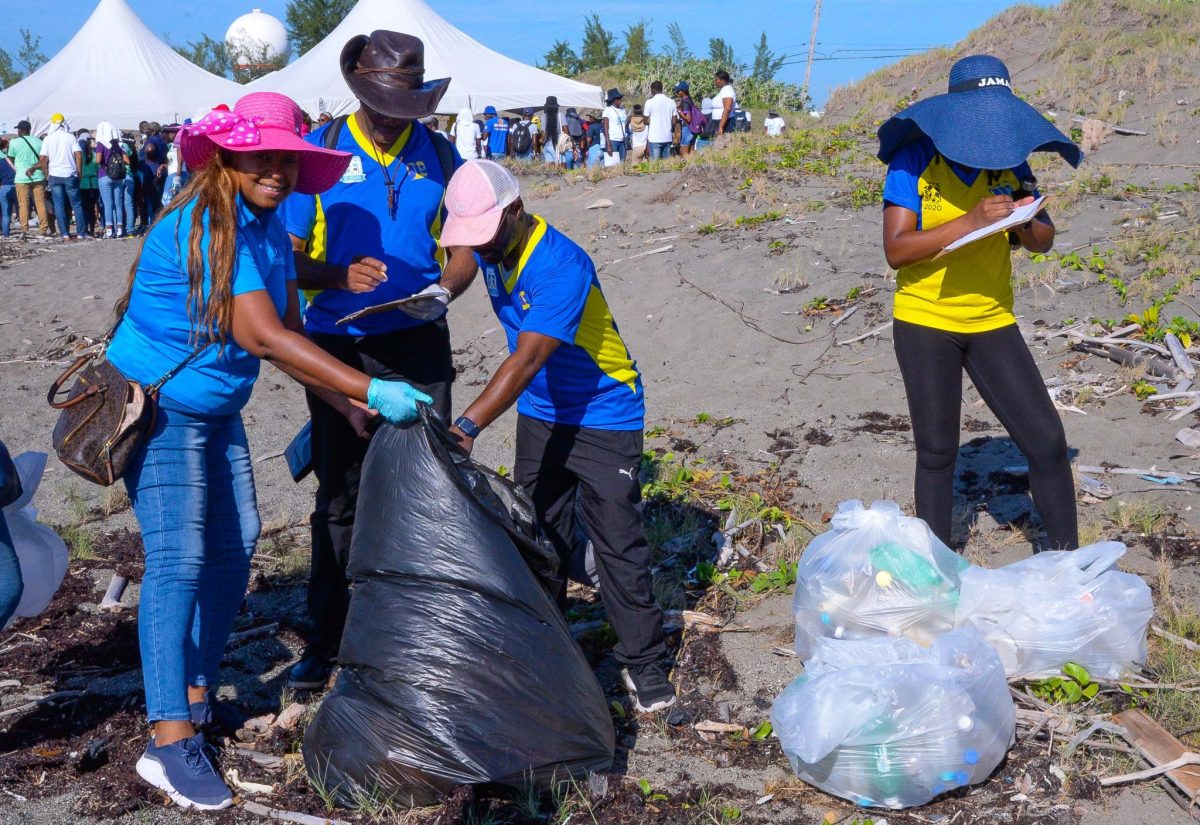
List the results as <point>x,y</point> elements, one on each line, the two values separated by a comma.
<point>395,400</point>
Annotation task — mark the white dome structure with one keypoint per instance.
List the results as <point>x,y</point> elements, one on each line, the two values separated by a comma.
<point>257,38</point>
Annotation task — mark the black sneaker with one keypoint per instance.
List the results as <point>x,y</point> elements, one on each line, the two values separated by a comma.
<point>216,716</point>
<point>184,771</point>
<point>311,672</point>
<point>650,687</point>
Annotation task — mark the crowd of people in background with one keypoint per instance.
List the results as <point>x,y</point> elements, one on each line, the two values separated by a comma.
<point>84,183</point>
<point>106,183</point>
<point>662,127</point>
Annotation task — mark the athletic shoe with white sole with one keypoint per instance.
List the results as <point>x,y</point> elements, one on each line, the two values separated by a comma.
<point>650,687</point>
<point>184,771</point>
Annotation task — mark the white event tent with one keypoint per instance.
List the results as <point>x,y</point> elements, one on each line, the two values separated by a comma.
<point>114,69</point>
<point>479,76</point>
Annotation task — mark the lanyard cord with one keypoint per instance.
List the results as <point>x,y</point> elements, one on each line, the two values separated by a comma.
<point>388,180</point>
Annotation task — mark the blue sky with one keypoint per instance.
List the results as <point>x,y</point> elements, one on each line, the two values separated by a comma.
<point>524,29</point>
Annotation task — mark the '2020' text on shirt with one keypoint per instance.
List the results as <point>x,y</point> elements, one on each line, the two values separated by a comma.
<point>969,289</point>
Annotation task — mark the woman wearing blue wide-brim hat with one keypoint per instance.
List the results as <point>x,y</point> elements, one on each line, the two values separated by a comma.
<point>957,163</point>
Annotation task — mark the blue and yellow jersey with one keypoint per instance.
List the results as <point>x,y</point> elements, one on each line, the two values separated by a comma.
<point>591,380</point>
<point>969,289</point>
<point>352,220</point>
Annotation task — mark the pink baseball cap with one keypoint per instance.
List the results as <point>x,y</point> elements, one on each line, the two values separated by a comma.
<point>476,198</point>
<point>263,121</point>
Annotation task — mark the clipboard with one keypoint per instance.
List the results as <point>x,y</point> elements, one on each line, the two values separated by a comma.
<point>1022,214</point>
<point>386,307</point>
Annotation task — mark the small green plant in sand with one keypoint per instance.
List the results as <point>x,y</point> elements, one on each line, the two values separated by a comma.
<point>648,792</point>
<point>758,220</point>
<point>1073,686</point>
<point>1143,389</point>
<point>706,229</point>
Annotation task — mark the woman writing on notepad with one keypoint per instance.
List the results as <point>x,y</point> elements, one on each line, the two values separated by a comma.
<point>956,165</point>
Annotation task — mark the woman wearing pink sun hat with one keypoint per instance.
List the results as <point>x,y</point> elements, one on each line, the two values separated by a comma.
<point>212,293</point>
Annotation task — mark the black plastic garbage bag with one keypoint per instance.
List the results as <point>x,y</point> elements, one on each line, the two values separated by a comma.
<point>457,666</point>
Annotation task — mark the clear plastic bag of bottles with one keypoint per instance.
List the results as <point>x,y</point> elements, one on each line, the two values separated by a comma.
<point>1061,606</point>
<point>876,572</point>
<point>885,722</point>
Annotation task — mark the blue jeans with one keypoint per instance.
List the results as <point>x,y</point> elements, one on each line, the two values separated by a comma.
<point>660,151</point>
<point>152,192</point>
<point>63,190</point>
<point>595,156</point>
<point>112,205</point>
<point>192,490</point>
<point>8,202</point>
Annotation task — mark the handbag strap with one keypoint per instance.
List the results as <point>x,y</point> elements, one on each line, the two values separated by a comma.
<point>175,370</point>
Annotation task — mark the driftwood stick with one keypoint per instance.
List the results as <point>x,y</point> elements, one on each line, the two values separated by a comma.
<point>1188,758</point>
<point>1179,355</point>
<point>252,633</point>
<point>1186,411</point>
<point>265,760</point>
<point>289,816</point>
<point>116,589</point>
<point>878,330</point>
<point>1153,365</point>
<point>1171,637</point>
<point>1109,340</point>
<point>844,316</point>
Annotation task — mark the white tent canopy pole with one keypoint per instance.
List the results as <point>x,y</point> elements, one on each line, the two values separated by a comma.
<point>114,69</point>
<point>479,77</point>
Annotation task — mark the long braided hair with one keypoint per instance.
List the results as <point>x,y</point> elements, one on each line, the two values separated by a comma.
<point>214,188</point>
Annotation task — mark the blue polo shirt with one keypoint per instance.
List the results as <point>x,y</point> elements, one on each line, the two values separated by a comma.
<point>591,380</point>
<point>496,130</point>
<point>154,336</point>
<point>352,220</point>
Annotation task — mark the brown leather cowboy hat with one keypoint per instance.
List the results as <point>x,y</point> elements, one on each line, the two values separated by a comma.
<point>386,71</point>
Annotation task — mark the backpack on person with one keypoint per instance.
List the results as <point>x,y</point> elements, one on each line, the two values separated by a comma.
<point>574,125</point>
<point>522,140</point>
<point>695,118</point>
<point>114,166</point>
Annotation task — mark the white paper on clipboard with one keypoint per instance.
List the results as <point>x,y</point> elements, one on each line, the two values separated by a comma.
<point>1020,215</point>
<point>378,308</point>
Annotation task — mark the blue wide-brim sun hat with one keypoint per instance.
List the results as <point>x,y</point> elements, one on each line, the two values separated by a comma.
<point>979,122</point>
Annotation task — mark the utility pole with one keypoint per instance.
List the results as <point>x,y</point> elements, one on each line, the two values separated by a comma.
<point>812,44</point>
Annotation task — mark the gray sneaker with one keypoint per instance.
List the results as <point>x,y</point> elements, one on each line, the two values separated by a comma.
<point>184,771</point>
<point>651,688</point>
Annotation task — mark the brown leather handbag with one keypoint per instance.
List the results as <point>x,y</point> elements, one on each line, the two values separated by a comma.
<point>106,418</point>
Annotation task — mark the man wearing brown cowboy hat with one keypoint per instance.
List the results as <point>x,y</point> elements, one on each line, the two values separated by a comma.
<point>369,240</point>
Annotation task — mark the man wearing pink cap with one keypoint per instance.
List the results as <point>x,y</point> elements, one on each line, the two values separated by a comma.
<point>579,400</point>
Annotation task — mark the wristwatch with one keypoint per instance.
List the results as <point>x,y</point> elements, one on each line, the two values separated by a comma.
<point>469,428</point>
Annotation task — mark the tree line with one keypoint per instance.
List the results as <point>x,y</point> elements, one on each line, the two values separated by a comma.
<point>601,49</point>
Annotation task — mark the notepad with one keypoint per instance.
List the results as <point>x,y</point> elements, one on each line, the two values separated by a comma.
<point>1020,215</point>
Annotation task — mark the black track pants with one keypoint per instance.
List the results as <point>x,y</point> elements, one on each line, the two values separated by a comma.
<point>1003,371</point>
<point>553,463</point>
<point>419,355</point>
